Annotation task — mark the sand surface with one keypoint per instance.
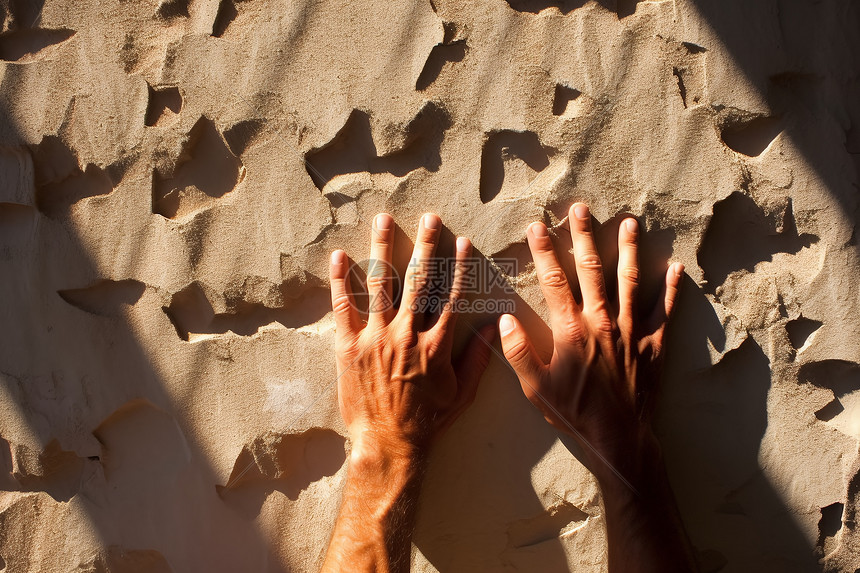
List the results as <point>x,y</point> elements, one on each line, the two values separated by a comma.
<point>173,176</point>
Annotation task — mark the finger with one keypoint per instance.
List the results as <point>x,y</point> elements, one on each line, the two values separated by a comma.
<point>673,286</point>
<point>470,367</point>
<point>563,310</point>
<point>657,328</point>
<point>563,245</point>
<point>668,296</point>
<point>589,268</point>
<point>628,276</point>
<point>521,355</point>
<point>420,266</point>
<point>346,317</point>
<point>606,237</point>
<point>448,318</point>
<point>379,273</point>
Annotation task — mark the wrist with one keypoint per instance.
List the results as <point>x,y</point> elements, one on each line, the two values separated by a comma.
<point>384,471</point>
<point>375,451</point>
<point>372,464</point>
<point>636,488</point>
<point>378,508</point>
<point>381,494</point>
<point>641,514</point>
<point>634,466</point>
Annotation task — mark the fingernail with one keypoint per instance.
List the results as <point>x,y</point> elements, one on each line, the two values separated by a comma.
<point>678,268</point>
<point>538,229</point>
<point>431,221</point>
<point>506,324</point>
<point>337,257</point>
<point>383,221</point>
<point>463,244</point>
<point>581,211</point>
<point>630,225</point>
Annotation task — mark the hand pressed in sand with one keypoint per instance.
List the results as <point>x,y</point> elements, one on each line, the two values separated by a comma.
<point>599,387</point>
<point>398,389</point>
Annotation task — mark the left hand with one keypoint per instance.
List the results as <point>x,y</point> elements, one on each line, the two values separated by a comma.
<point>398,387</point>
<point>600,382</point>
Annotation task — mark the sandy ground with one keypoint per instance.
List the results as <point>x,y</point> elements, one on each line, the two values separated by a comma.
<point>173,176</point>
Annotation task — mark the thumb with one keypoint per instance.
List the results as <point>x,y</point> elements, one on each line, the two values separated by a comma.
<point>521,354</point>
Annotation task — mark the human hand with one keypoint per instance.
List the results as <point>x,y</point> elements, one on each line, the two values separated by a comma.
<point>397,390</point>
<point>397,385</point>
<point>599,384</point>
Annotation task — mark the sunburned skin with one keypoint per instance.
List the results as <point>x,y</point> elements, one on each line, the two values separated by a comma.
<point>398,389</point>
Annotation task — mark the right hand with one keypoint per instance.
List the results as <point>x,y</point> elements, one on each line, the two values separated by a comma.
<point>600,381</point>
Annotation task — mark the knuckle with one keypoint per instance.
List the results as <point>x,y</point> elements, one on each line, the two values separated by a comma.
<point>598,319</point>
<point>381,237</point>
<point>377,282</point>
<point>626,236</point>
<point>341,304</point>
<point>601,323</point>
<point>401,330</point>
<point>554,278</point>
<point>404,345</point>
<point>543,245</point>
<point>347,347</point>
<point>453,295</point>
<point>569,334</point>
<point>589,262</point>
<point>517,352</point>
<point>569,327</point>
<point>581,225</point>
<point>416,278</point>
<point>630,274</point>
<point>435,345</point>
<point>426,242</point>
<point>377,348</point>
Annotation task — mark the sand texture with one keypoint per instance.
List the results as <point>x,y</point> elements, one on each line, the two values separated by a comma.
<point>174,174</point>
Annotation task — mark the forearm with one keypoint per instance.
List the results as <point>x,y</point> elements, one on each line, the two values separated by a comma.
<point>374,529</point>
<point>643,527</point>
